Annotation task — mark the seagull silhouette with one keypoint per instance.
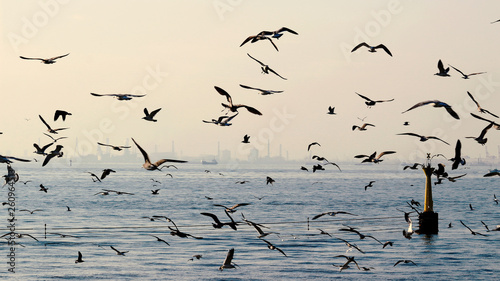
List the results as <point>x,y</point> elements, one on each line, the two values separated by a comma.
<point>262,92</point>
<point>436,103</point>
<point>45,61</point>
<point>118,96</point>
<point>363,127</point>
<point>372,49</point>
<point>228,261</point>
<point>311,144</point>
<point>62,114</point>
<point>465,76</point>
<point>234,107</point>
<point>56,152</point>
<point>150,116</point>
<point>278,33</point>
<point>80,258</point>
<point>222,120</point>
<point>479,108</point>
<point>265,68</point>
<point>422,138</point>
<point>331,110</point>
<point>120,253</point>
<point>442,71</point>
<point>148,165</point>
<point>272,247</point>
<point>246,139</point>
<point>369,103</point>
<point>258,37</point>
<point>114,147</point>
<point>41,150</point>
<point>373,157</point>
<point>49,129</point>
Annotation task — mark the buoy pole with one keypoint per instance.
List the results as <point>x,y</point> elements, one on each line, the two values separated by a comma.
<point>428,219</point>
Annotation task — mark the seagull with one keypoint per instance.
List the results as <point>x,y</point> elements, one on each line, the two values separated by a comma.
<point>479,108</point>
<point>349,260</point>
<point>350,245</point>
<point>457,159</point>
<point>331,110</point>
<point>413,167</point>
<point>422,138</point>
<point>373,157</point>
<point>155,192</point>
<point>370,102</point>
<point>118,192</point>
<point>218,223</point>
<point>160,240</point>
<point>442,71</point>
<point>257,227</point>
<point>495,125</point>
<point>388,243</point>
<point>45,61</point>
<point>311,144</point>
<point>195,257</point>
<point>153,166</point>
<point>436,103</point>
<point>332,214</point>
<point>55,139</point>
<point>49,129</point>
<point>150,116</point>
<point>234,107</point>
<point>232,209</point>
<point>318,167</point>
<point>361,236</point>
<point>119,252</point>
<point>269,180</point>
<point>43,188</point>
<point>404,261</point>
<point>119,96</point>
<point>106,172</point>
<point>61,113</point>
<point>495,198</point>
<point>262,92</point>
<point>117,148</point>
<point>363,127</point>
<point>481,139</point>
<point>370,184</point>
<point>79,260</point>
<point>372,49</point>
<point>222,120</point>
<point>466,76</point>
<point>68,209</point>
<point>272,247</point>
<point>56,152</point>
<point>258,37</point>
<point>246,139</point>
<point>31,212</point>
<point>41,150</point>
<point>471,231</point>
<point>265,68</point>
<point>228,260</point>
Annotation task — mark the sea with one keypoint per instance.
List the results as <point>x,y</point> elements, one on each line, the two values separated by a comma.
<point>314,248</point>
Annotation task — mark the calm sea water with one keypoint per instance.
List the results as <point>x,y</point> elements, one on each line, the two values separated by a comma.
<point>98,221</point>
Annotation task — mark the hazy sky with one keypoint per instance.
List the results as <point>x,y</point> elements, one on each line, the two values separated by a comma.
<point>177,51</point>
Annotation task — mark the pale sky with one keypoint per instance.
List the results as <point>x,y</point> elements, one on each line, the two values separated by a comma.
<point>177,51</point>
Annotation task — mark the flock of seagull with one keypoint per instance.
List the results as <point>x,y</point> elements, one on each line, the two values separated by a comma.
<point>225,120</point>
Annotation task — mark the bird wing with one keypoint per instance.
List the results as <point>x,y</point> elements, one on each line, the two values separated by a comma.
<point>99,95</point>
<point>385,153</point>
<point>474,100</point>
<point>436,138</point>
<point>146,112</point>
<point>229,257</point>
<point>318,216</point>
<point>135,96</point>
<point>43,121</point>
<point>25,58</point>
<point>452,112</point>
<point>361,156</point>
<point>224,93</point>
<point>214,217</point>
<point>47,159</point>
<point>249,108</point>
<point>256,60</point>
<point>104,144</point>
<point>283,29</point>
<point>454,68</point>
<point>485,130</point>
<point>143,152</point>
<point>475,73</point>
<point>161,161</point>
<point>239,205</point>
<point>58,57</point>
<point>271,40</point>
<point>382,46</point>
<point>409,134</point>
<point>45,146</point>
<point>458,155</point>
<point>441,67</point>
<point>248,39</point>
<point>492,174</point>
<point>311,144</point>
<point>270,69</point>
<point>248,87</point>
<point>384,100</point>
<point>153,113</point>
<point>364,97</point>
<point>487,111</point>
<point>420,104</point>
<point>359,45</point>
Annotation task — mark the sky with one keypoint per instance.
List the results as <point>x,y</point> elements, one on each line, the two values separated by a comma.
<point>175,52</point>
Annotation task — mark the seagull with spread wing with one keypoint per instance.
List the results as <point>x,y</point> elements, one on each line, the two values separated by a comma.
<point>437,104</point>
<point>265,68</point>
<point>422,138</point>
<point>119,96</point>
<point>45,61</point>
<point>262,92</point>
<point>234,107</point>
<point>370,102</point>
<point>148,165</point>
<point>479,108</point>
<point>49,129</point>
<point>465,76</point>
<point>372,49</point>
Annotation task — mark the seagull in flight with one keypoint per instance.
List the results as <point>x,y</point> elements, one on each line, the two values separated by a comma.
<point>56,152</point>
<point>80,258</point>
<point>331,110</point>
<point>119,96</point>
<point>437,104</point>
<point>8,159</point>
<point>278,33</point>
<point>363,127</point>
<point>41,150</point>
<point>232,209</point>
<point>45,61</point>
<point>234,107</point>
<point>150,115</point>
<point>479,108</point>
<point>422,138</point>
<point>472,231</point>
<point>49,129</point>
<point>120,253</point>
<point>442,71</point>
<point>62,114</point>
<point>370,102</point>
<point>55,139</point>
<point>372,49</point>
<point>332,214</point>
<point>222,120</point>
<point>258,37</point>
<point>262,92</point>
<point>265,68</point>
<point>228,261</point>
<point>481,139</point>
<point>272,247</point>
<point>404,261</point>
<point>373,157</point>
<point>465,76</point>
<point>311,144</point>
<point>246,139</point>
<point>148,165</point>
<point>114,147</point>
